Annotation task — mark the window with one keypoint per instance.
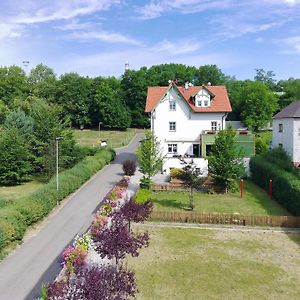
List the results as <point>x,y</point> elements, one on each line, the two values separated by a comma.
<point>172,105</point>
<point>205,102</point>
<point>172,148</point>
<point>199,104</point>
<point>280,145</point>
<point>196,150</point>
<point>214,125</point>
<point>280,127</point>
<point>172,126</point>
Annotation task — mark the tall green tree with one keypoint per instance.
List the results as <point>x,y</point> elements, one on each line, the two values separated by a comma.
<point>266,77</point>
<point>73,95</point>
<point>149,155</point>
<point>15,158</point>
<point>225,163</point>
<point>290,91</point>
<point>259,104</point>
<point>112,112</point>
<point>210,73</point>
<point>43,82</point>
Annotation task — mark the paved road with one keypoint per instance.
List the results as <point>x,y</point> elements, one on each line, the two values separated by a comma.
<point>37,260</point>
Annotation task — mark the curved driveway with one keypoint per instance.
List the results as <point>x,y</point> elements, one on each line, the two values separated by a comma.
<point>37,260</point>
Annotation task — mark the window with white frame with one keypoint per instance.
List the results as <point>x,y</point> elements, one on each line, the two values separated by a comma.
<point>172,105</point>
<point>206,103</point>
<point>199,103</point>
<point>172,148</point>
<point>280,127</point>
<point>214,125</point>
<point>172,126</point>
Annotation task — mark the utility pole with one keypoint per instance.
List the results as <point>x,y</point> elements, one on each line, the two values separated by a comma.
<point>57,140</point>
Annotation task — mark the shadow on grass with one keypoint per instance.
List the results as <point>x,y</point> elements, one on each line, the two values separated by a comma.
<point>295,237</point>
<point>169,203</point>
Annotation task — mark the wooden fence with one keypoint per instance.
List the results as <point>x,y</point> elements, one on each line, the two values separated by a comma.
<point>202,218</point>
<point>173,187</point>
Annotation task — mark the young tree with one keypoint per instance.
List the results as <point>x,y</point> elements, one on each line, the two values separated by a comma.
<point>225,163</point>
<point>149,155</point>
<point>191,180</point>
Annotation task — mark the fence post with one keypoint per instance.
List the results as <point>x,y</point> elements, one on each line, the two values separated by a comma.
<point>242,187</point>
<point>270,188</point>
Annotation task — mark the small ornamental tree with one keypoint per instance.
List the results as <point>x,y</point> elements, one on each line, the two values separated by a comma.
<point>129,167</point>
<point>191,180</point>
<point>135,212</point>
<point>149,156</point>
<point>116,240</point>
<point>225,162</point>
<point>95,283</point>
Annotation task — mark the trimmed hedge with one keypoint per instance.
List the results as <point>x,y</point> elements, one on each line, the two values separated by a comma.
<point>17,216</point>
<point>286,183</point>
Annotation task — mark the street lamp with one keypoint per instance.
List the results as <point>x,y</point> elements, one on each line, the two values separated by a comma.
<point>100,123</point>
<point>57,140</point>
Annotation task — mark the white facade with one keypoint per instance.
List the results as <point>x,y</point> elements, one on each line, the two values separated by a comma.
<point>179,128</point>
<point>286,134</point>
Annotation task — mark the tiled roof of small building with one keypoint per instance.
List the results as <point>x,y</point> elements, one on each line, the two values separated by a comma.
<point>291,111</point>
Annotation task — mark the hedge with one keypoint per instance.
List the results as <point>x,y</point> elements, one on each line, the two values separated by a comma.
<point>286,184</point>
<point>17,216</point>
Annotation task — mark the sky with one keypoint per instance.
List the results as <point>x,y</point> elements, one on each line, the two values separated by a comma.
<point>97,37</point>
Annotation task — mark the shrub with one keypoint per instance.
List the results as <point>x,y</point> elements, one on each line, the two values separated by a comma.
<point>129,167</point>
<point>74,258</point>
<point>145,183</point>
<point>261,146</point>
<point>286,185</point>
<point>176,173</point>
<point>142,196</point>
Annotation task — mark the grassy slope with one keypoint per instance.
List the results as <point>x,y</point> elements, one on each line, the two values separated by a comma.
<point>254,202</point>
<point>114,138</point>
<point>205,264</point>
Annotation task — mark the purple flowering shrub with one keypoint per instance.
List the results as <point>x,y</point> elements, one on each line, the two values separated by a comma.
<point>98,224</point>
<point>74,258</point>
<point>107,283</point>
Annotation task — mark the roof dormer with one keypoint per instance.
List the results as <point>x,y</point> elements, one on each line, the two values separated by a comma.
<point>203,97</point>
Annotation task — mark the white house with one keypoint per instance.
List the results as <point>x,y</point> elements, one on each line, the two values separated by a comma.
<point>286,131</point>
<point>180,115</point>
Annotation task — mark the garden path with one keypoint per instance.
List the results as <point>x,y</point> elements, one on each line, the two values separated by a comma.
<point>37,260</point>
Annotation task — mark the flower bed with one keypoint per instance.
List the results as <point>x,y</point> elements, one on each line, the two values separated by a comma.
<point>94,261</point>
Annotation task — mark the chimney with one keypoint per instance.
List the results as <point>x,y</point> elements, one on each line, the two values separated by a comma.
<point>209,83</point>
<point>186,86</point>
<point>126,66</point>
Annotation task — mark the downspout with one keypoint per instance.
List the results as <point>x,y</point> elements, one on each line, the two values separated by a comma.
<point>225,115</point>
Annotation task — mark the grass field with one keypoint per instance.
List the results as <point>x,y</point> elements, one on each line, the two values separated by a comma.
<point>187,263</point>
<point>10,193</point>
<point>255,202</point>
<point>114,138</point>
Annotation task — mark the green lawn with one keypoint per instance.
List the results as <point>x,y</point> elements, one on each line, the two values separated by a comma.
<point>10,193</point>
<point>187,263</point>
<point>114,138</point>
<point>254,202</point>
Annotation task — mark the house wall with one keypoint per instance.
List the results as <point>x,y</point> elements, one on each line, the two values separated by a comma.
<point>189,125</point>
<point>286,137</point>
<point>296,145</point>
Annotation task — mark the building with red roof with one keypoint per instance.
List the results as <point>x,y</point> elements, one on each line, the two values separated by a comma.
<point>180,115</point>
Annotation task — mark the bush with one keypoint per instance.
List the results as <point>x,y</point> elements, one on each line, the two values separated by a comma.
<point>142,196</point>
<point>176,173</point>
<point>145,183</point>
<point>129,167</point>
<point>261,146</point>
<point>286,185</point>
<point>17,216</point>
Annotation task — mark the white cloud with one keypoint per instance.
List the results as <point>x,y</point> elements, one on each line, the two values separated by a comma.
<point>62,10</point>
<point>74,24</point>
<point>8,30</point>
<point>177,47</point>
<point>104,36</point>
<point>293,44</point>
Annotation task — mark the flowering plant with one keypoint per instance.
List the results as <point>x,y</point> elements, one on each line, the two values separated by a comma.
<point>74,258</point>
<point>98,224</point>
<point>85,241</point>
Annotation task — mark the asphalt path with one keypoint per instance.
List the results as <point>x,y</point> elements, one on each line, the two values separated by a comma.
<point>37,261</point>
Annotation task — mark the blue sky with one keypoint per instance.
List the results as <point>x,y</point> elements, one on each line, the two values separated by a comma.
<point>96,37</point>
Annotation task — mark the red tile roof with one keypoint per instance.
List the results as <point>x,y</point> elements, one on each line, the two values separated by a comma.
<point>220,101</point>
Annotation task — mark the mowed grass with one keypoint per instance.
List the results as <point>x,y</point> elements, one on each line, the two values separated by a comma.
<point>187,263</point>
<point>11,193</point>
<point>254,202</point>
<point>114,138</point>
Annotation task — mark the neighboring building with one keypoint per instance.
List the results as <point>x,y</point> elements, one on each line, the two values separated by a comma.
<point>181,116</point>
<point>286,131</point>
